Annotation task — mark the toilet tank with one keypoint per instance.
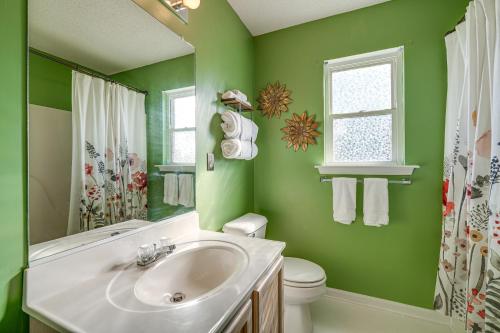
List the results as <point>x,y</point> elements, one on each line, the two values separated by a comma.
<point>249,225</point>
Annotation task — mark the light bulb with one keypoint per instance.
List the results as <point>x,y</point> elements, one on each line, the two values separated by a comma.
<point>191,4</point>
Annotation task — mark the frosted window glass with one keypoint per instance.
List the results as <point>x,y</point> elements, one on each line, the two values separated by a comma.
<point>362,89</point>
<point>184,112</point>
<point>363,139</point>
<point>184,147</point>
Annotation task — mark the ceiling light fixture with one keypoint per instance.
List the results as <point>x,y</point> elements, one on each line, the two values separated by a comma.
<point>191,4</point>
<point>182,4</point>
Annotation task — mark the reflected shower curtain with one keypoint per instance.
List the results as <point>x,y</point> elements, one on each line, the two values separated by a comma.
<point>109,177</point>
<point>468,280</point>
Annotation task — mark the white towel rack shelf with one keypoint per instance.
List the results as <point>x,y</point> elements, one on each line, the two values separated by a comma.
<point>237,104</point>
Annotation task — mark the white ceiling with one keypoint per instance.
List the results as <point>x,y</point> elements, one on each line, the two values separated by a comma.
<point>263,16</point>
<point>108,36</point>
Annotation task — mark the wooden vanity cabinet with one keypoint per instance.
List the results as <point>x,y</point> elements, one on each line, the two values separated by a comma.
<point>266,304</point>
<point>267,301</point>
<point>242,321</point>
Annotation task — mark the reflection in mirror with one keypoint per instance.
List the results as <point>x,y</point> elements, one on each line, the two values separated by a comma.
<point>111,122</point>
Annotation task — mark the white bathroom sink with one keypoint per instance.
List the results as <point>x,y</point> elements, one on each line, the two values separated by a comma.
<point>195,271</point>
<point>189,275</point>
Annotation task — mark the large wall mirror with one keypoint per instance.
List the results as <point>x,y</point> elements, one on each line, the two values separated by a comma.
<point>111,122</point>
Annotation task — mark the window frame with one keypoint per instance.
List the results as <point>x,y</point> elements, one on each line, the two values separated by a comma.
<point>169,98</point>
<point>394,57</point>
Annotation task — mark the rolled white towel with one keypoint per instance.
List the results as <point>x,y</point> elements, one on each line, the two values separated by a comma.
<point>235,126</point>
<point>236,149</point>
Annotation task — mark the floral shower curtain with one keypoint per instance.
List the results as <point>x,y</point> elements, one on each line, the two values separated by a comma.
<point>468,280</point>
<point>109,178</point>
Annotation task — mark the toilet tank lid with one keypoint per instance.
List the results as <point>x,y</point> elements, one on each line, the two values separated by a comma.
<point>247,224</point>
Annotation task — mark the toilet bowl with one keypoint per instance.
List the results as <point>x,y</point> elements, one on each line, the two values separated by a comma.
<point>304,281</point>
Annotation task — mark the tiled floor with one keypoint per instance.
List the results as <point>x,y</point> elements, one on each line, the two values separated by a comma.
<point>331,315</point>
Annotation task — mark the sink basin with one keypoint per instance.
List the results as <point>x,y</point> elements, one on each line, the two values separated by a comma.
<point>188,276</point>
<point>193,272</point>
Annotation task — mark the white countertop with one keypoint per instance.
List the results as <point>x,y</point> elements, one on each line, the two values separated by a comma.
<point>70,293</point>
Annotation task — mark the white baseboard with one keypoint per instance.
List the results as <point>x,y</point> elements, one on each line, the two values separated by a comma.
<point>385,305</point>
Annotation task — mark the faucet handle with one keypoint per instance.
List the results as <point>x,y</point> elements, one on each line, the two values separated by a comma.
<point>145,252</point>
<point>166,244</point>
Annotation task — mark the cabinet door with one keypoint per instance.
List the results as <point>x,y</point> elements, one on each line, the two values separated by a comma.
<point>242,321</point>
<point>267,301</point>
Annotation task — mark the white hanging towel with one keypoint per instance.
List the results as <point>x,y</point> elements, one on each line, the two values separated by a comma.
<point>235,126</point>
<point>171,189</point>
<point>236,149</point>
<point>375,202</point>
<point>186,190</point>
<point>344,200</point>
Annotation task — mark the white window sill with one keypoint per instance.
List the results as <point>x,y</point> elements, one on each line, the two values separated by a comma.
<point>375,170</point>
<point>177,168</point>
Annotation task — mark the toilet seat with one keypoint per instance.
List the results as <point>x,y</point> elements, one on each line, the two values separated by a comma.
<point>301,273</point>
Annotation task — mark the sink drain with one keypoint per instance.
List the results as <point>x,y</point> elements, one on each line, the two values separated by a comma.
<point>177,298</point>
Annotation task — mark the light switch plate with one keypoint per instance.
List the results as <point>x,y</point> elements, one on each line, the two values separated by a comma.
<point>210,162</point>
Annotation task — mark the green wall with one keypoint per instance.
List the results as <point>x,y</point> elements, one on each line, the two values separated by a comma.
<point>13,166</point>
<point>171,74</point>
<point>49,83</point>
<point>397,262</point>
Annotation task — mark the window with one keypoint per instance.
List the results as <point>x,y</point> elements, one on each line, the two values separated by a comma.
<point>364,109</point>
<point>180,121</point>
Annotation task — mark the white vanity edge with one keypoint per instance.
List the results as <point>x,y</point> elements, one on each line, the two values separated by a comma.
<point>375,170</point>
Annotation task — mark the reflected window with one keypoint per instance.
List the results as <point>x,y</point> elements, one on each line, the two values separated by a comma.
<point>181,123</point>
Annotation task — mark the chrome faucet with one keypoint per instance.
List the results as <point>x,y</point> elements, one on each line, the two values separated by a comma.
<point>150,253</point>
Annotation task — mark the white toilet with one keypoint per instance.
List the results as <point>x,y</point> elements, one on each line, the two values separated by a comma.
<point>304,281</point>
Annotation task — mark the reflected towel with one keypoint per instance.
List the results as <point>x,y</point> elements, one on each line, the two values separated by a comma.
<point>375,202</point>
<point>186,190</point>
<point>236,149</point>
<point>171,189</point>
<point>235,126</point>
<point>344,200</point>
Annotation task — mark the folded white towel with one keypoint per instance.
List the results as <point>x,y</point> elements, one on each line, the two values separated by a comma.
<point>344,200</point>
<point>375,202</point>
<point>186,190</point>
<point>171,189</point>
<point>230,94</point>
<point>235,126</point>
<point>237,149</point>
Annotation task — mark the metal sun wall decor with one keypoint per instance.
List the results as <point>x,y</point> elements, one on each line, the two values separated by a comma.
<point>274,100</point>
<point>300,132</point>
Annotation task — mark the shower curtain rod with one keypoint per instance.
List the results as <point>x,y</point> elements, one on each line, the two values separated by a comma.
<point>83,69</point>
<point>454,29</point>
